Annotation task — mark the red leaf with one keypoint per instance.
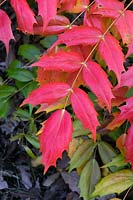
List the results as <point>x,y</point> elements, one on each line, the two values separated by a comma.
<point>97,80</point>
<point>130,49</point>
<point>80,6</point>
<point>67,5</point>
<point>95,21</point>
<point>44,77</point>
<point>5,29</point>
<point>47,9</point>
<point>127,78</point>
<point>107,8</point>
<point>111,52</point>
<point>124,26</point>
<point>79,35</point>
<point>48,93</point>
<point>129,145</point>
<point>126,112</point>
<point>57,25</point>
<point>61,61</point>
<point>84,110</point>
<point>25,16</point>
<point>55,137</point>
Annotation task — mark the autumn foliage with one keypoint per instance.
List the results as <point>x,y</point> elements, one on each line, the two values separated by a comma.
<point>88,54</point>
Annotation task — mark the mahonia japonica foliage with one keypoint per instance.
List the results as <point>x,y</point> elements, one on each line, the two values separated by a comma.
<point>69,63</point>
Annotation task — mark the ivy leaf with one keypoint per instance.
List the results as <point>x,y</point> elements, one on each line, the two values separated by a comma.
<point>125,114</point>
<point>55,137</point>
<point>48,94</point>
<point>111,52</point>
<point>61,61</point>
<point>106,152</point>
<point>110,8</point>
<point>47,10</point>
<point>57,25</point>
<point>67,5</point>
<point>29,52</point>
<point>90,175</point>
<point>80,6</point>
<point>6,91</point>
<point>79,35</point>
<point>129,145</point>
<point>97,80</point>
<point>51,76</point>
<point>24,14</point>
<point>48,41</point>
<point>82,154</point>
<point>124,26</point>
<point>127,78</point>
<point>84,110</point>
<point>114,183</point>
<point>5,29</point>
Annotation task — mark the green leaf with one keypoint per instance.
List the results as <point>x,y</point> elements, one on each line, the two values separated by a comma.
<point>89,177</point>
<point>33,140</point>
<point>129,92</point>
<point>106,152</point>
<point>114,183</point>
<point>82,154</point>
<point>78,129</point>
<point>23,75</point>
<point>32,126</point>
<point>6,91</point>
<point>48,41</point>
<point>26,88</point>
<point>4,108</point>
<point>23,114</point>
<point>15,64</point>
<point>29,52</point>
<point>19,136</point>
<point>118,161</point>
<point>29,152</point>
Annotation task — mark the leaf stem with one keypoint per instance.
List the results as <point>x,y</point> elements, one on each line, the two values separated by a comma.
<point>81,13</point>
<point>93,49</point>
<point>2,2</point>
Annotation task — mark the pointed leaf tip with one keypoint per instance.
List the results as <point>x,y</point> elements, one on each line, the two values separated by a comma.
<point>55,138</point>
<point>48,94</point>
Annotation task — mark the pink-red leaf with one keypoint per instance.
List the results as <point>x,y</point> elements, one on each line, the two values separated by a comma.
<point>129,145</point>
<point>107,8</point>
<point>62,61</point>
<point>127,78</point>
<point>47,9</point>
<point>55,137</point>
<point>125,27</point>
<point>111,52</point>
<point>97,80</point>
<point>84,110</point>
<point>57,25</point>
<point>48,93</point>
<point>126,112</point>
<point>5,29</point>
<point>79,35</point>
<point>24,14</point>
